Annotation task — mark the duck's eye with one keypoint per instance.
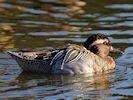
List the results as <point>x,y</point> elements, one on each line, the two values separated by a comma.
<point>105,43</point>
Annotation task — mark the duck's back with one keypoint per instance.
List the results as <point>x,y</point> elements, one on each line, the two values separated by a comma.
<point>73,60</point>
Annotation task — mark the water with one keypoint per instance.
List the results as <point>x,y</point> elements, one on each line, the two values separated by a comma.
<point>34,24</point>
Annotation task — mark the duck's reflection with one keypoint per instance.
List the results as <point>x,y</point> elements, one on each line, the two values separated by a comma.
<point>102,81</point>
<point>86,84</point>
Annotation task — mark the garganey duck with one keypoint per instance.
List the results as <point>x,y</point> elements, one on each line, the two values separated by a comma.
<point>91,57</point>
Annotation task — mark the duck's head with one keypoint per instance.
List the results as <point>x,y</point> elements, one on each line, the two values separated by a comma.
<point>100,45</point>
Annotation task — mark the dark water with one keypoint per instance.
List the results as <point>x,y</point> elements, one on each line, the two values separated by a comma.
<point>34,24</point>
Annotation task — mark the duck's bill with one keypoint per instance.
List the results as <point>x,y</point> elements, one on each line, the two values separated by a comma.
<point>115,50</point>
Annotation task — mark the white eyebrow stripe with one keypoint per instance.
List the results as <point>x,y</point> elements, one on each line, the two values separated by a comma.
<point>99,41</point>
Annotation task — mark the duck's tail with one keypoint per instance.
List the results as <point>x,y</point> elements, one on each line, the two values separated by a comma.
<point>31,65</point>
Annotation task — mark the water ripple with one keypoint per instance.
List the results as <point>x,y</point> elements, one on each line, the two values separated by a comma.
<point>120,6</point>
<point>40,23</point>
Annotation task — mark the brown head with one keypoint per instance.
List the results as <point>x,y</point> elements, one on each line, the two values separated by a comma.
<point>100,45</point>
<point>102,50</point>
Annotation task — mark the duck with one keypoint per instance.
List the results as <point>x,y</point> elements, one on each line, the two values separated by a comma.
<point>89,58</point>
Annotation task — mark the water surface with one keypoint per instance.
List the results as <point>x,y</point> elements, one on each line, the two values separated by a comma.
<point>35,24</point>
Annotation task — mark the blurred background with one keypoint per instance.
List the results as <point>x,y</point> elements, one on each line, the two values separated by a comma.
<point>35,24</point>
